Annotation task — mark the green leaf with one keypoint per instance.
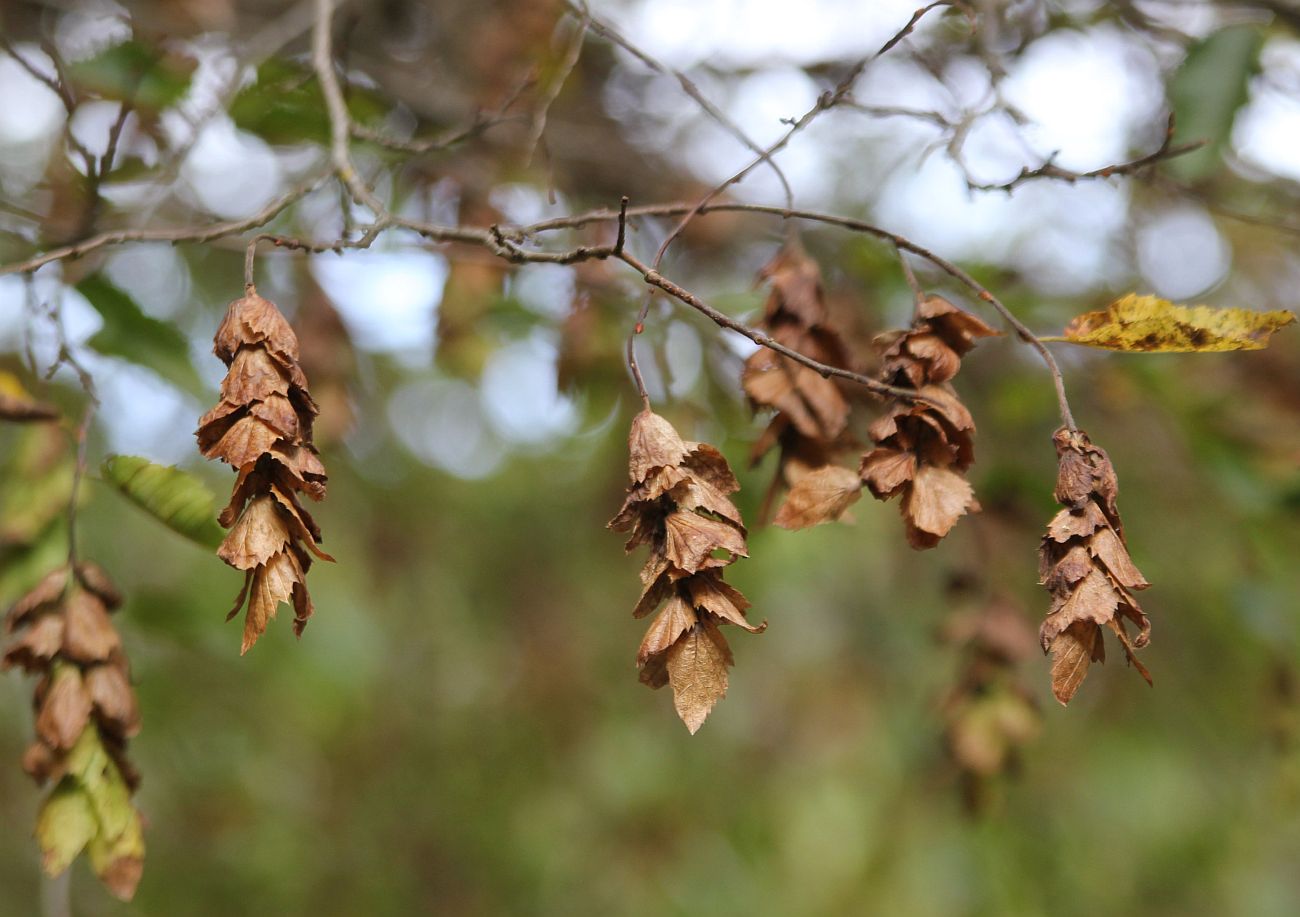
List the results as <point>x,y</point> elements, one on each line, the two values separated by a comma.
<point>285,105</point>
<point>175,498</point>
<point>134,336</point>
<point>148,78</point>
<point>94,812</point>
<point>1207,91</point>
<point>65,826</point>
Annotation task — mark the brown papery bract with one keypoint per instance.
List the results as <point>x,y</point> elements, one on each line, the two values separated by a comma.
<point>924,447</point>
<point>679,504</point>
<point>1085,565</point>
<point>810,423</point>
<point>263,428</point>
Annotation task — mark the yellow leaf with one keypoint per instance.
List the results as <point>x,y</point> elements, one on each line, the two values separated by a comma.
<point>1148,324</point>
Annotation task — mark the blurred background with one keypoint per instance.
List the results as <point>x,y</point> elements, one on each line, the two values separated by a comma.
<point>461,730</point>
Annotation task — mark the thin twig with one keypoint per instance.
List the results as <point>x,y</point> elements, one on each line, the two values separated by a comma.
<point>340,122</point>
<point>480,124</point>
<point>59,86</point>
<point>177,234</point>
<point>608,32</point>
<point>918,294</point>
<point>654,278</point>
<point>1049,169</point>
<point>67,357</point>
<point>855,225</point>
<point>825,102</point>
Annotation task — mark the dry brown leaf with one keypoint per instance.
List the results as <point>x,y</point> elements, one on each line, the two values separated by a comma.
<point>65,710</point>
<point>692,493</point>
<point>254,320</point>
<point>279,413</point>
<point>710,466</point>
<point>1073,651</point>
<point>652,443</point>
<point>247,440</point>
<point>690,540</point>
<point>92,576</point>
<point>697,670</point>
<point>46,593</point>
<point>271,584</point>
<point>253,376</point>
<point>819,496</point>
<point>36,647</point>
<point>958,328</point>
<point>1107,548</point>
<point>88,634</point>
<point>260,532</point>
<point>937,498</point>
<point>675,619</point>
<point>711,593</point>
<point>113,699</point>
<point>796,286</point>
<point>886,471</point>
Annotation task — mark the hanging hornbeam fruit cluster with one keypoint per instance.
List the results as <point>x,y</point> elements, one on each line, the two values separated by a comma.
<point>262,428</point>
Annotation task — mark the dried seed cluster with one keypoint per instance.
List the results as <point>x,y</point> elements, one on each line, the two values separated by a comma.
<point>679,505</point>
<point>263,428</point>
<point>990,714</point>
<point>86,710</point>
<point>1085,564</point>
<point>924,447</point>
<point>810,426</point>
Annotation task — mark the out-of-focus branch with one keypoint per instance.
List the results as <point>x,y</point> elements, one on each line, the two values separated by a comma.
<point>1049,169</point>
<point>203,233</point>
<point>479,124</point>
<point>322,59</point>
<point>825,102</point>
<point>608,32</point>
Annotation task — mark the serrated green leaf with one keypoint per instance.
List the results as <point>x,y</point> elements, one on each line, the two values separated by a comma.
<point>174,497</point>
<point>65,826</point>
<point>1208,90</point>
<point>134,336</point>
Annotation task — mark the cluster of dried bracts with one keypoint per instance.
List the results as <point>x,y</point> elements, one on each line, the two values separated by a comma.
<point>678,504</point>
<point>924,447</point>
<point>85,712</point>
<point>1085,564</point>
<point>990,713</point>
<point>262,427</point>
<point>810,423</point>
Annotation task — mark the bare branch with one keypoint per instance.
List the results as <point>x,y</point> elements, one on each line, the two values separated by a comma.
<point>205,233</point>
<point>479,125</point>
<point>654,278</point>
<point>825,102</point>
<point>605,30</point>
<point>1049,169</point>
